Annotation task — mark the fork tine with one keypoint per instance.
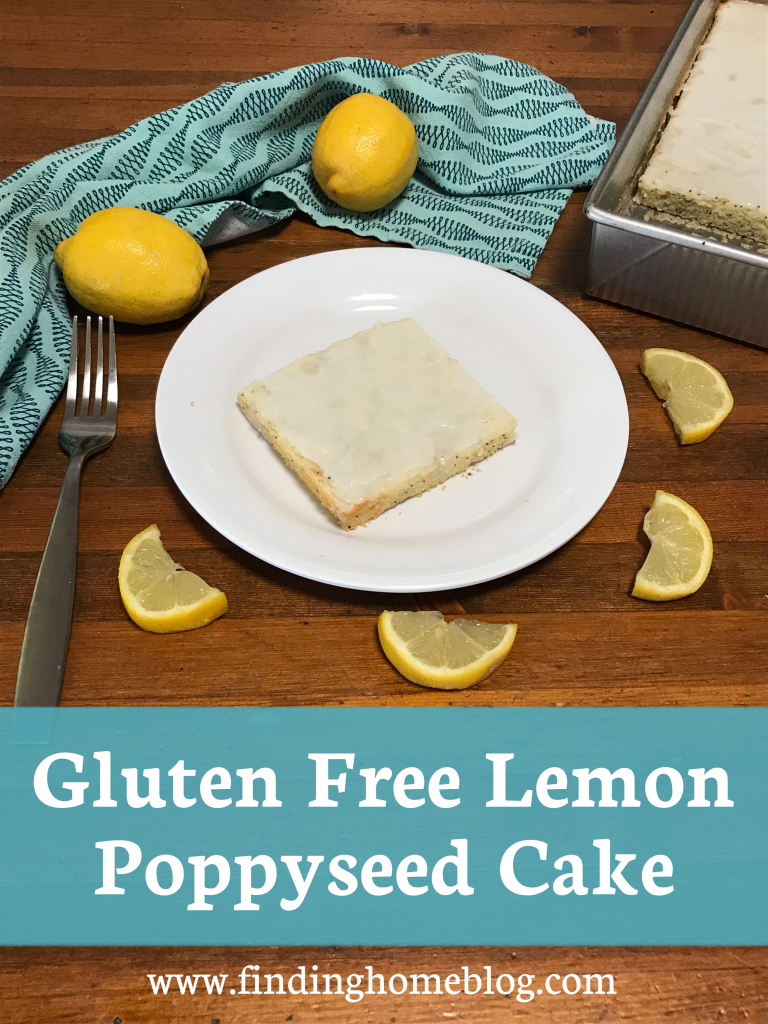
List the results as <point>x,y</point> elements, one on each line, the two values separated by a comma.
<point>86,393</point>
<point>69,408</point>
<point>111,411</point>
<point>98,386</point>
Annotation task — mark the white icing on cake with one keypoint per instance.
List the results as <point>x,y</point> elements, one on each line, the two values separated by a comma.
<point>711,162</point>
<point>384,402</point>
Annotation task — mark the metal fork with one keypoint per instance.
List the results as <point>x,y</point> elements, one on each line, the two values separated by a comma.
<point>83,433</point>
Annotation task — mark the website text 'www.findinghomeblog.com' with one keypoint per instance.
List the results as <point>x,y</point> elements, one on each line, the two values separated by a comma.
<point>355,987</point>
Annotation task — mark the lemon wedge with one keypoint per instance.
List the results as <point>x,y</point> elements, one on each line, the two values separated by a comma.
<point>444,655</point>
<point>681,550</point>
<point>695,394</point>
<point>161,596</point>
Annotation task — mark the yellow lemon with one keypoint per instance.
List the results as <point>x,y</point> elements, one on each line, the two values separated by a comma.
<point>681,550</point>
<point>427,650</point>
<point>134,265</point>
<point>695,394</point>
<point>365,152</point>
<point>158,594</point>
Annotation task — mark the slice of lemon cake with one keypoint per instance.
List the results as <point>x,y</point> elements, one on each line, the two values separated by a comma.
<point>375,419</point>
<point>711,163</point>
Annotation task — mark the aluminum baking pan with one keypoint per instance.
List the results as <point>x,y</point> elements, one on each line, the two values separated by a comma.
<point>659,265</point>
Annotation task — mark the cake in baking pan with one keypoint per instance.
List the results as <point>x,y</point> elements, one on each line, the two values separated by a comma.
<point>710,166</point>
<point>376,418</point>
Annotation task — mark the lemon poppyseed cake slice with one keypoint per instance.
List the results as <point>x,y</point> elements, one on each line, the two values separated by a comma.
<point>711,163</point>
<point>375,419</point>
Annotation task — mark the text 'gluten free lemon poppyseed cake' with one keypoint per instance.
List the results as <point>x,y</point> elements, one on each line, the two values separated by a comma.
<point>376,418</point>
<point>710,166</point>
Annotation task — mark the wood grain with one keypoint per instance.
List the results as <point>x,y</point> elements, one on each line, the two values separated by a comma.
<point>652,986</point>
<point>86,68</point>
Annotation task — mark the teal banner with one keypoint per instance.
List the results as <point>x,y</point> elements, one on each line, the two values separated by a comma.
<point>336,826</point>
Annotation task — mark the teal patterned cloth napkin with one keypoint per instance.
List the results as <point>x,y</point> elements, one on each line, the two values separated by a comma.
<point>501,147</point>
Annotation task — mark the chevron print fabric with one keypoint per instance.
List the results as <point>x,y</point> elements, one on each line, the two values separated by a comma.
<point>501,147</point>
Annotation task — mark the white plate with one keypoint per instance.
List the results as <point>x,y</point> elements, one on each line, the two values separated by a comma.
<point>531,353</point>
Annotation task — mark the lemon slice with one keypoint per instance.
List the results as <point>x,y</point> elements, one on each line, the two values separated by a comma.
<point>681,551</point>
<point>695,395</point>
<point>161,596</point>
<point>444,655</point>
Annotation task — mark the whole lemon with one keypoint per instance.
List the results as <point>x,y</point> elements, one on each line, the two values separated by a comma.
<point>365,152</point>
<point>134,265</point>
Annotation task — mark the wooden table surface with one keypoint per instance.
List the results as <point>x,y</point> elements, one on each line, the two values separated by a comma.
<point>82,69</point>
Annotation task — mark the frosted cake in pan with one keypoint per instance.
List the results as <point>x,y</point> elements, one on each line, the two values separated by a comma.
<point>710,166</point>
<point>375,419</point>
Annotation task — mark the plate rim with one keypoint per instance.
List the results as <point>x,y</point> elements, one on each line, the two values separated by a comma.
<point>364,581</point>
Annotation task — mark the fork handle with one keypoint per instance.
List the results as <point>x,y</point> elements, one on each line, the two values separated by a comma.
<point>46,638</point>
